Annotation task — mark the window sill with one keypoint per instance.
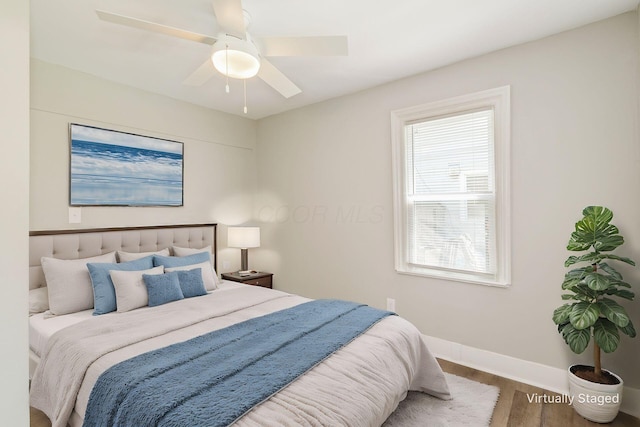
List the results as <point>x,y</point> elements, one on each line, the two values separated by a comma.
<point>453,276</point>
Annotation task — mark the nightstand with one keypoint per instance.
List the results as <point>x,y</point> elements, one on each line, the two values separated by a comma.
<point>259,278</point>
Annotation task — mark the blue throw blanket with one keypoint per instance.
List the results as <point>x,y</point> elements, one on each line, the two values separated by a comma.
<point>214,379</point>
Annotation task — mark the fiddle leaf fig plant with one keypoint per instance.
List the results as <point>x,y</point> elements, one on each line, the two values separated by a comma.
<point>590,287</point>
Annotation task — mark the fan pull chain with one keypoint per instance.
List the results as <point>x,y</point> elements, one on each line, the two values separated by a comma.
<point>226,63</point>
<point>245,95</point>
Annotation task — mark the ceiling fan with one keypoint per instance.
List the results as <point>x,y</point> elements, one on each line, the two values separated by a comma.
<point>235,54</point>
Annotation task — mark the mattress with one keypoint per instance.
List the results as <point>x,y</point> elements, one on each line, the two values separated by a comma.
<point>359,385</point>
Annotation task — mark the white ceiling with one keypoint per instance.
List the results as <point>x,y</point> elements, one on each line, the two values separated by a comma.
<point>388,40</point>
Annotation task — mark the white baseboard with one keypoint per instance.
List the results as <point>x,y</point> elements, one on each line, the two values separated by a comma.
<point>536,374</point>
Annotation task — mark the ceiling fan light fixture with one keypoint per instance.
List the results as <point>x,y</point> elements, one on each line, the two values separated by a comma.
<point>235,58</point>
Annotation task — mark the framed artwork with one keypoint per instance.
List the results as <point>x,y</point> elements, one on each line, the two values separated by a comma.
<point>112,168</point>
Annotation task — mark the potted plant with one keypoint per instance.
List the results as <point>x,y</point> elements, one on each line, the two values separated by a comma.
<point>592,313</point>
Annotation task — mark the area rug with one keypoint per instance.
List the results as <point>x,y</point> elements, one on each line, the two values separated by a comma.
<point>472,405</point>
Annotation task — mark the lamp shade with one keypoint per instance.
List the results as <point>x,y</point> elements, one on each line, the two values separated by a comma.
<point>243,237</point>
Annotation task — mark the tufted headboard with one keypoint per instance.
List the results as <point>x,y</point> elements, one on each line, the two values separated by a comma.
<point>74,244</point>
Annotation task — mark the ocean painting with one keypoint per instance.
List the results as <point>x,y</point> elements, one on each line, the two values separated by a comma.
<point>111,168</point>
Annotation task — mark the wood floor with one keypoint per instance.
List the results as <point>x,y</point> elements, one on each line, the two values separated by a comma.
<point>512,409</point>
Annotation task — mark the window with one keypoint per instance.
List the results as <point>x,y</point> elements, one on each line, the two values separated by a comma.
<point>451,188</point>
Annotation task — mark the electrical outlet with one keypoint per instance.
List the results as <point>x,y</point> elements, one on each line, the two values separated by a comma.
<point>391,304</point>
<point>226,265</point>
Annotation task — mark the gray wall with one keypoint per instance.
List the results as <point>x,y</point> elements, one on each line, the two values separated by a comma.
<point>325,190</point>
<point>219,152</point>
<point>14,227</point>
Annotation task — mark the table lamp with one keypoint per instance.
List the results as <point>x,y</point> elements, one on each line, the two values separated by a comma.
<point>243,238</point>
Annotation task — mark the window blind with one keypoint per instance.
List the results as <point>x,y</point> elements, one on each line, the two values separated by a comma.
<point>450,185</point>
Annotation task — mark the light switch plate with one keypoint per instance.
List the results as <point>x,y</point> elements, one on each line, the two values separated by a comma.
<point>75,215</point>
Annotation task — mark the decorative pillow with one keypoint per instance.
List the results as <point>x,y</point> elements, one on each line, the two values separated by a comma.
<point>208,273</point>
<point>191,282</point>
<point>182,252</point>
<point>178,251</point>
<point>38,300</point>
<point>131,292</point>
<point>179,261</point>
<point>69,284</point>
<point>162,288</point>
<point>191,260</point>
<point>132,256</point>
<point>104,294</point>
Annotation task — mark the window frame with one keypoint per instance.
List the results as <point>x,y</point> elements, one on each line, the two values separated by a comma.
<point>497,99</point>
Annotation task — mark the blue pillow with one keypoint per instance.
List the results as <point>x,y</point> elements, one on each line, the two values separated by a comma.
<point>162,288</point>
<point>104,294</point>
<point>191,282</point>
<point>180,261</point>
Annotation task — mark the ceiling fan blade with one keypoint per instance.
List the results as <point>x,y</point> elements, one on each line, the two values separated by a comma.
<point>274,78</point>
<point>154,27</point>
<point>201,75</point>
<point>305,46</point>
<point>230,17</point>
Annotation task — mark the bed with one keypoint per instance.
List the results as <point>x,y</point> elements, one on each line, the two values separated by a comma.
<point>76,354</point>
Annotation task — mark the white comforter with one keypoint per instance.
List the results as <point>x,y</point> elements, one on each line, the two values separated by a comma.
<point>359,385</point>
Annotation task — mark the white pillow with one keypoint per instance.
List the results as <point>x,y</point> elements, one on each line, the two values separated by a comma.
<point>38,300</point>
<point>208,273</point>
<point>132,256</point>
<point>178,251</point>
<point>131,291</point>
<point>69,282</point>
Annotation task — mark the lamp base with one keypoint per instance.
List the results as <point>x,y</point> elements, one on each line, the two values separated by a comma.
<point>244,259</point>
